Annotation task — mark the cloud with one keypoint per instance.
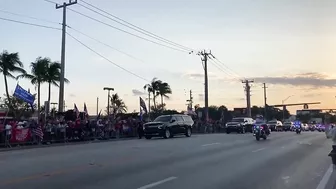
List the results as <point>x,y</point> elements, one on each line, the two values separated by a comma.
<point>72,95</point>
<point>240,99</point>
<point>308,79</point>
<point>199,76</point>
<point>311,95</point>
<point>138,93</point>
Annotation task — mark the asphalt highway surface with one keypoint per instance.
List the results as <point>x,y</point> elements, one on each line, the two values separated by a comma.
<point>213,161</point>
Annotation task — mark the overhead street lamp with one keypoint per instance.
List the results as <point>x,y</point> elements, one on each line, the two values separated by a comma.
<point>284,107</point>
<point>108,99</point>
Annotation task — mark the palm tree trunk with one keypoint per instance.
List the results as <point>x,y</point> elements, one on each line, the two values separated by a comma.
<point>161,101</point>
<point>154,100</point>
<point>38,100</point>
<point>7,94</point>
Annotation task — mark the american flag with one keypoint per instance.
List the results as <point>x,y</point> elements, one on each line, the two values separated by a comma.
<point>86,111</point>
<point>76,111</point>
<point>38,131</point>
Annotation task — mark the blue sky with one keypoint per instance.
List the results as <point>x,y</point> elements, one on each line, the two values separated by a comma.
<point>289,44</point>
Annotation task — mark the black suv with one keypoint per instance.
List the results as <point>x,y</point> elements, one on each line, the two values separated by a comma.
<point>167,126</point>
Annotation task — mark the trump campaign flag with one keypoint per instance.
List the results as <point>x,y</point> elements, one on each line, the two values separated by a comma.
<point>143,105</point>
<point>86,111</point>
<point>24,95</point>
<point>76,111</point>
<point>143,108</point>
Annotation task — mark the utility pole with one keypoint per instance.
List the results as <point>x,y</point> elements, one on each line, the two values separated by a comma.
<point>248,95</point>
<point>97,105</point>
<point>204,57</point>
<point>61,90</point>
<point>265,99</point>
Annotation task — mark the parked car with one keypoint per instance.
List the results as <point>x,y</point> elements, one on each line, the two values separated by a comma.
<point>167,126</point>
<point>240,125</point>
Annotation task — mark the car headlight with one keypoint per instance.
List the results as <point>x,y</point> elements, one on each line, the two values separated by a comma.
<point>160,126</point>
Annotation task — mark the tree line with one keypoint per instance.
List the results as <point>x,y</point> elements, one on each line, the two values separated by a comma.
<point>42,70</point>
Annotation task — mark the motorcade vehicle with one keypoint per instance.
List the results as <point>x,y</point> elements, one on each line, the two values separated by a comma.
<point>274,125</point>
<point>240,125</point>
<point>167,126</point>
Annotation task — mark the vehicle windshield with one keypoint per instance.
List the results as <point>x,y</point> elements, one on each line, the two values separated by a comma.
<point>237,120</point>
<point>162,119</point>
<point>272,122</point>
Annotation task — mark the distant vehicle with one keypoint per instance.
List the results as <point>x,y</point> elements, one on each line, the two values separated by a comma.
<point>305,127</point>
<point>167,126</point>
<point>240,125</point>
<point>275,125</point>
<point>287,126</point>
<point>312,127</point>
<point>321,128</point>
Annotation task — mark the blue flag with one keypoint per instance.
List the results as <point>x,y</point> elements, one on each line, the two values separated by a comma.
<point>24,95</point>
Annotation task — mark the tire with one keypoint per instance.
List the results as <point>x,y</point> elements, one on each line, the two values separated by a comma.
<point>264,137</point>
<point>257,137</point>
<point>167,134</point>
<point>243,131</point>
<point>188,133</point>
<point>227,132</point>
<point>148,137</point>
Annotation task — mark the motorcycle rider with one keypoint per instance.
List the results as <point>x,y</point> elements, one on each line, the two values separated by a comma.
<point>260,120</point>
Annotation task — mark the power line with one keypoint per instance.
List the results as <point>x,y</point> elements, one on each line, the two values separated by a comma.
<point>131,26</point>
<point>229,69</point>
<point>27,16</point>
<point>53,2</point>
<point>106,58</point>
<point>122,52</point>
<point>28,23</point>
<point>127,31</point>
<point>218,66</point>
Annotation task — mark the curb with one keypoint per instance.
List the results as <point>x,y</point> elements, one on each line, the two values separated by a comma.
<point>79,143</point>
<point>63,144</point>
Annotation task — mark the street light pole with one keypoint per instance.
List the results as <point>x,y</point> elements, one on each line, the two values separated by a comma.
<point>284,107</point>
<point>108,99</point>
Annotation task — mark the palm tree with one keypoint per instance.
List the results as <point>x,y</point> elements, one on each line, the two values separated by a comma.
<point>10,63</point>
<point>153,87</point>
<point>117,104</point>
<point>38,75</point>
<point>53,76</point>
<point>163,91</point>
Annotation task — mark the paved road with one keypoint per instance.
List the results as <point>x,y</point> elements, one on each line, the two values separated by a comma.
<point>216,161</point>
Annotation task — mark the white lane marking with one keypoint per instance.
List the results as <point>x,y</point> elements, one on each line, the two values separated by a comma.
<point>323,183</point>
<point>211,144</point>
<point>258,150</point>
<point>157,183</point>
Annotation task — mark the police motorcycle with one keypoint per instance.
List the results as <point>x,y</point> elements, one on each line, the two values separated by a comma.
<point>261,129</point>
<point>297,126</point>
